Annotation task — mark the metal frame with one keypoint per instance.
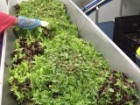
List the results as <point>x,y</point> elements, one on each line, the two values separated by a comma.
<point>4,8</point>
<point>92,5</point>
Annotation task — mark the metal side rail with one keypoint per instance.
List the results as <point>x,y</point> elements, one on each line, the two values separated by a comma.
<point>89,8</point>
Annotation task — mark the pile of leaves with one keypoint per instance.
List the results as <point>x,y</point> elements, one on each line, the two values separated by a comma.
<point>56,67</point>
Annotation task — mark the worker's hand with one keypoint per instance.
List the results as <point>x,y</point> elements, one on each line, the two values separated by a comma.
<point>29,23</point>
<point>44,24</point>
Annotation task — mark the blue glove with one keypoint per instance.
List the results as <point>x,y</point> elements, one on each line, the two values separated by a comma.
<point>28,23</point>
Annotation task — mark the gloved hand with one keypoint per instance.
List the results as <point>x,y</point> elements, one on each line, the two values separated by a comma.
<point>28,23</point>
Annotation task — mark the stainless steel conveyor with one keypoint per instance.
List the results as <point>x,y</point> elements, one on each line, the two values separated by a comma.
<point>89,31</point>
<point>3,8</point>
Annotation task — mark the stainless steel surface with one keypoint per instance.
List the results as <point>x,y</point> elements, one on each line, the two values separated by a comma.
<point>4,8</point>
<point>7,99</point>
<point>8,46</point>
<point>97,15</point>
<point>90,32</point>
<point>3,5</point>
<point>121,7</point>
<point>81,3</point>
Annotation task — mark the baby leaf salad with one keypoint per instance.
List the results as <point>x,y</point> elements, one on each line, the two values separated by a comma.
<point>56,67</point>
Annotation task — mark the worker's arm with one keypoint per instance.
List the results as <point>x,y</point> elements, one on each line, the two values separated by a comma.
<point>28,23</point>
<point>6,21</point>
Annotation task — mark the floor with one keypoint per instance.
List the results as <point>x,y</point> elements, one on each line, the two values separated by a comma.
<point>107,28</point>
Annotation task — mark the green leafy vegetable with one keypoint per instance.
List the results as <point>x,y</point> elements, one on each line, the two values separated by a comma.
<point>55,67</point>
